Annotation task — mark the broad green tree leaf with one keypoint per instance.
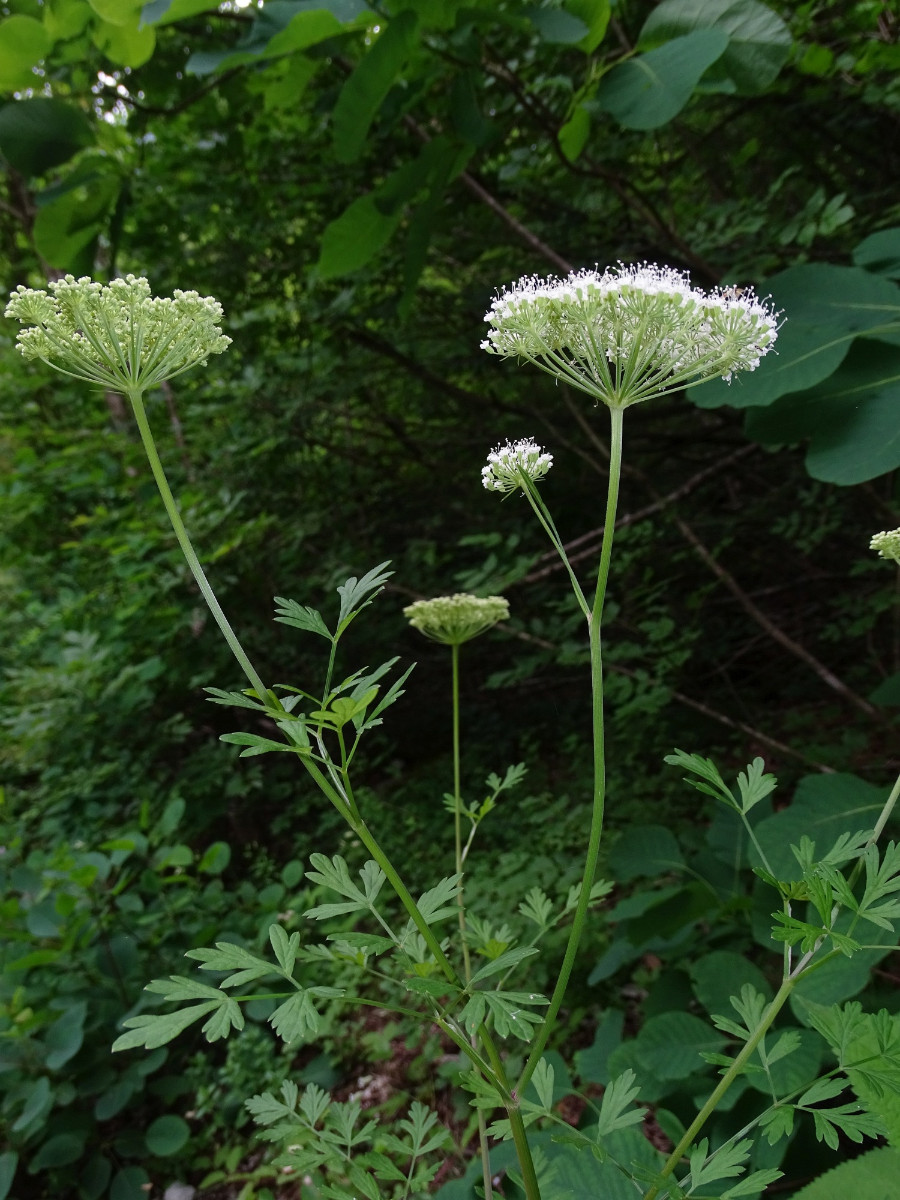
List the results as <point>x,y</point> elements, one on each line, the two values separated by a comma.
<point>363,93</point>
<point>825,307</point>
<point>871,1175</point>
<point>850,419</point>
<point>57,1151</point>
<point>823,807</point>
<point>41,133</point>
<point>65,19</point>
<point>164,12</point>
<point>131,1183</point>
<point>117,12</point>
<point>167,1135</point>
<point>880,253</point>
<point>125,45</point>
<point>72,215</point>
<point>721,974</point>
<point>648,91</point>
<point>595,15</point>
<point>279,28</point>
<point>356,236</point>
<point>648,850</point>
<point>65,1036</point>
<point>23,43</point>
<point>9,1160</point>
<point>574,134</point>
<point>38,1102</point>
<point>578,1175</point>
<point>557,26</point>
<point>591,1063</point>
<point>841,978</point>
<point>759,42</point>
<point>469,122</point>
<point>669,1047</point>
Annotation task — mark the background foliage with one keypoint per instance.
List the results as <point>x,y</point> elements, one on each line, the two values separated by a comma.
<point>352,182</point>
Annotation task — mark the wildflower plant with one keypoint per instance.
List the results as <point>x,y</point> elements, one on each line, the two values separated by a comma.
<point>623,336</point>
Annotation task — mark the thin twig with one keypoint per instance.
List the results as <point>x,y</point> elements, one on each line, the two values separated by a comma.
<point>639,514</point>
<point>778,635</point>
<point>530,239</point>
<point>491,202</point>
<point>698,706</point>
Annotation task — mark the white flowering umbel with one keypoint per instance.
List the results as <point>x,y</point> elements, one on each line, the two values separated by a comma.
<point>631,332</point>
<point>887,544</point>
<point>456,619</point>
<point>510,466</point>
<point>116,335</point>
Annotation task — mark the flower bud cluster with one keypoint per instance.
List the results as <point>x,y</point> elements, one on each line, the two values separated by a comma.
<point>116,335</point>
<point>509,466</point>
<point>887,544</point>
<point>631,332</point>
<point>456,619</point>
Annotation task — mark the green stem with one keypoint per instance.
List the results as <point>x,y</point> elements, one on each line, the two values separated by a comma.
<point>886,812</point>
<point>724,1084</point>
<point>523,1153</point>
<point>541,512</point>
<point>467,965</point>
<point>361,829</point>
<point>517,1125</point>
<point>593,850</point>
<point>137,403</point>
<point>457,814</point>
<point>486,1173</point>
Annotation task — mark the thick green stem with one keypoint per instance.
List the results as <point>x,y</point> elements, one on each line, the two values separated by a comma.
<point>599,797</point>
<point>517,1125</point>
<point>724,1084</point>
<point>523,1152</point>
<point>137,403</point>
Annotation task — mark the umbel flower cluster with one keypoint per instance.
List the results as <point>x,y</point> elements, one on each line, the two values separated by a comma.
<point>631,332</point>
<point>116,335</point>
<point>456,619</point>
<point>510,465</point>
<point>887,544</point>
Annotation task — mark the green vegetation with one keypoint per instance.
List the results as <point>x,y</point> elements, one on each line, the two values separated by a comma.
<point>354,183</point>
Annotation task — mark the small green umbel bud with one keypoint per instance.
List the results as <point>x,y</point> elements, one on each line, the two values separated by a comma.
<point>116,335</point>
<point>887,544</point>
<point>456,619</point>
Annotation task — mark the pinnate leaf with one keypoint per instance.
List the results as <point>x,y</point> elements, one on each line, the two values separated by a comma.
<point>301,616</point>
<point>619,1095</point>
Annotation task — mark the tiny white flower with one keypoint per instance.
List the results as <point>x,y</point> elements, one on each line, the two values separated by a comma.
<point>630,333</point>
<point>116,335</point>
<point>887,544</point>
<point>508,466</point>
